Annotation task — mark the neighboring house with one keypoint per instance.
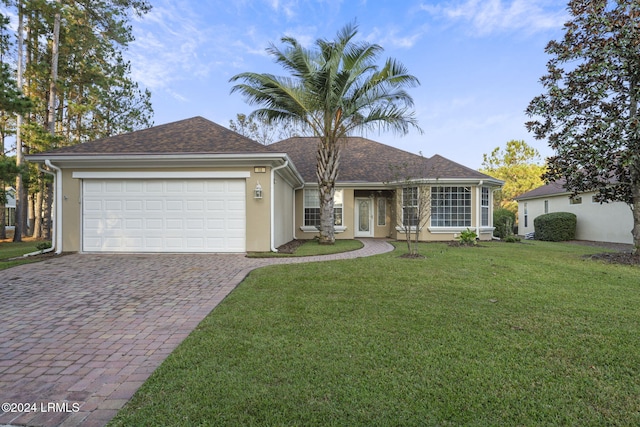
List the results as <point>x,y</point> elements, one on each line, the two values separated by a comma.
<point>10,208</point>
<point>195,186</point>
<point>599,222</point>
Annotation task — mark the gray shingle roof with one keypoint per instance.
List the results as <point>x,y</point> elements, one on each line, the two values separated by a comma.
<point>550,189</point>
<point>364,160</point>
<point>190,136</point>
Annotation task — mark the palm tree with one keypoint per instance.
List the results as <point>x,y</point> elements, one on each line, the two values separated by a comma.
<point>333,91</point>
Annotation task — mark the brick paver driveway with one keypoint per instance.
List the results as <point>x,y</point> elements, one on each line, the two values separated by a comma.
<point>80,333</point>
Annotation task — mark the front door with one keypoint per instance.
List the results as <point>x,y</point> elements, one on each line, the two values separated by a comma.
<point>364,217</point>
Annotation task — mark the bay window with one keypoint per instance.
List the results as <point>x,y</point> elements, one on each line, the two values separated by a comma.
<point>484,207</point>
<point>451,207</point>
<point>410,206</point>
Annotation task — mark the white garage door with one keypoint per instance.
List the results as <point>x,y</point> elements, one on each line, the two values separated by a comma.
<point>163,215</point>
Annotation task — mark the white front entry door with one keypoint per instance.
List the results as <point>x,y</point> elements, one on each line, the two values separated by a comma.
<point>364,217</point>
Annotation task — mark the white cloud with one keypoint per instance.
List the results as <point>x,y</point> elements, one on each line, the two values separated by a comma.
<point>492,16</point>
<point>286,7</point>
<point>172,44</point>
<point>392,37</point>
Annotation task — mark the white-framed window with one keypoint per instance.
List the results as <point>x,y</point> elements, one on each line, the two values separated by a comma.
<point>546,206</point>
<point>312,208</point>
<point>484,205</point>
<point>451,206</point>
<point>382,211</point>
<point>9,216</point>
<point>526,215</point>
<point>410,200</point>
<point>575,200</point>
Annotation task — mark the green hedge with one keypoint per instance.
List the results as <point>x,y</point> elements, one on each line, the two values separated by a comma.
<point>555,227</point>
<point>503,221</point>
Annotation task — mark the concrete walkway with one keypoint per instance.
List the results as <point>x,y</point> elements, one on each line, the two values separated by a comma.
<point>79,334</point>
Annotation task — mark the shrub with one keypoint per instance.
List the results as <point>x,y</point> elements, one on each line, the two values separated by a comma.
<point>503,221</point>
<point>467,237</point>
<point>555,227</point>
<point>42,246</point>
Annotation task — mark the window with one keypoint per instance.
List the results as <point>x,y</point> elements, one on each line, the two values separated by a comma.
<point>575,200</point>
<point>10,217</point>
<point>546,206</point>
<point>312,208</point>
<point>526,216</point>
<point>485,206</point>
<point>410,206</point>
<point>382,211</point>
<point>451,206</point>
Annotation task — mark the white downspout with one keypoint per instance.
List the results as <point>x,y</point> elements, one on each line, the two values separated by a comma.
<point>273,200</point>
<point>56,230</point>
<point>479,207</point>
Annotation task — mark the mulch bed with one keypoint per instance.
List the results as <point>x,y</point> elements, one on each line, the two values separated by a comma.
<point>622,254</point>
<point>290,247</point>
<point>624,258</point>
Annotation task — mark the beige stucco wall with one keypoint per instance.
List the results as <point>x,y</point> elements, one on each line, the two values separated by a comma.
<point>390,228</point>
<point>283,221</point>
<point>349,219</point>
<point>607,222</point>
<point>258,214</point>
<point>435,234</point>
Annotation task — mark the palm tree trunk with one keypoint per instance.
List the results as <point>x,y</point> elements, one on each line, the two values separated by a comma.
<point>635,209</point>
<point>327,172</point>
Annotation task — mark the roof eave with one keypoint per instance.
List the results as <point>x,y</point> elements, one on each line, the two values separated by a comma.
<point>434,181</point>
<point>95,161</point>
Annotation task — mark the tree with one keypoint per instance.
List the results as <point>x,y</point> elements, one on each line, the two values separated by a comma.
<point>589,111</point>
<point>517,165</point>
<point>412,201</point>
<point>70,63</point>
<point>332,92</point>
<point>8,173</point>
<point>261,130</point>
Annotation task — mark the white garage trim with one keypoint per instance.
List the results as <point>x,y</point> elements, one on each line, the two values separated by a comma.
<point>163,215</point>
<point>161,175</point>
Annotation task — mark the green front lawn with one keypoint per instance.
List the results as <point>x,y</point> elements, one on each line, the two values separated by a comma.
<point>9,250</point>
<point>312,248</point>
<point>501,334</point>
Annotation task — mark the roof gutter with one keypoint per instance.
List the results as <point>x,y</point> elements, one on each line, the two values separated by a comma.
<point>272,207</point>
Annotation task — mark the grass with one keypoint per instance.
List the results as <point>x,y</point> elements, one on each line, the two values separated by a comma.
<point>501,334</point>
<point>311,248</point>
<point>10,250</point>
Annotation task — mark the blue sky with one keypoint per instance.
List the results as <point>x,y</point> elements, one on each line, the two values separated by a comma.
<point>478,61</point>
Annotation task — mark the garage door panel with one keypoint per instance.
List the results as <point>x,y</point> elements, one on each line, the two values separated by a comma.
<point>153,205</point>
<point>175,205</point>
<point>134,186</point>
<point>113,187</point>
<point>172,215</point>
<point>154,187</point>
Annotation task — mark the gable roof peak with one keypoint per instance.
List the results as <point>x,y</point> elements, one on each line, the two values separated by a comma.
<point>195,135</point>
